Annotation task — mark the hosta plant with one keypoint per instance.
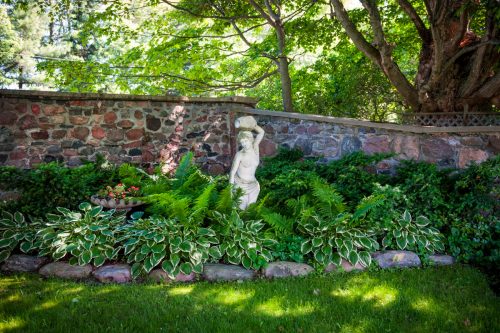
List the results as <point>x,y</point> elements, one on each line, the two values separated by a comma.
<point>242,242</point>
<point>408,234</point>
<point>15,231</point>
<point>87,236</point>
<point>147,243</point>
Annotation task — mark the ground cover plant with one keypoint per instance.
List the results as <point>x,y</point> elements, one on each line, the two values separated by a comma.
<point>445,299</point>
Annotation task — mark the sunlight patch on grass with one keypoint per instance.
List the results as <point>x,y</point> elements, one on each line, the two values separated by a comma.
<point>178,291</point>
<point>381,295</point>
<point>46,305</point>
<point>13,298</point>
<point>74,290</point>
<point>424,304</point>
<point>11,324</point>
<point>275,307</point>
<point>230,297</point>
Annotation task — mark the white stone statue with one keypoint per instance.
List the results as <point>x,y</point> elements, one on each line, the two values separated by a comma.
<point>246,160</point>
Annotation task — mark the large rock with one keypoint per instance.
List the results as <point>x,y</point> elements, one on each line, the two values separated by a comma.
<point>23,263</point>
<point>389,259</point>
<point>346,267</point>
<point>281,269</point>
<point>160,276</point>
<point>441,260</point>
<point>64,270</point>
<point>113,273</point>
<point>221,272</point>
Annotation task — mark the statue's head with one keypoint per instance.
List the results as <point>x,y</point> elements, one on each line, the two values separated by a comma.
<point>245,138</point>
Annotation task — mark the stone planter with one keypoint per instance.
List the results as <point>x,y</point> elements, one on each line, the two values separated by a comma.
<point>118,204</point>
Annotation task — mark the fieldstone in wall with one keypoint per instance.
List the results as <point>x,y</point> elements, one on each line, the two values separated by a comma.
<point>467,156</point>
<point>376,144</point>
<point>436,149</point>
<point>350,144</point>
<point>407,147</point>
<point>494,143</point>
<point>8,118</point>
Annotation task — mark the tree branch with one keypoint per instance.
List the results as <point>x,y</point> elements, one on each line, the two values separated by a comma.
<point>423,32</point>
<point>192,13</point>
<point>262,13</point>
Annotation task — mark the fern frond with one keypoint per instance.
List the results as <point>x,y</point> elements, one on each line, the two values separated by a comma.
<point>182,171</point>
<point>328,201</point>
<point>160,204</point>
<point>225,201</point>
<point>180,210</point>
<point>202,203</point>
<point>367,204</point>
<point>194,181</point>
<point>281,224</point>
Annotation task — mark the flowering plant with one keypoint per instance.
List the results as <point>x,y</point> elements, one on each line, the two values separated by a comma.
<point>119,191</point>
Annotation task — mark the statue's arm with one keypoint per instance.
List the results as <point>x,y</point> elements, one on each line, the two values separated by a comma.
<point>234,167</point>
<point>259,137</point>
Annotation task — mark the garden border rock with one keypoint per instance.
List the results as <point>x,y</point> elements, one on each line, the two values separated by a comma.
<point>121,273</point>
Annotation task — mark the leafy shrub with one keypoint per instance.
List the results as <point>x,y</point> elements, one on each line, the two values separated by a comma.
<point>288,248</point>
<point>90,236</point>
<point>180,249</point>
<point>242,242</point>
<point>52,185</point>
<point>351,176</point>
<point>15,232</point>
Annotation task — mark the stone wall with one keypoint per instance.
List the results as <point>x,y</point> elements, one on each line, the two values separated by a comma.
<point>42,127</point>
<point>45,126</point>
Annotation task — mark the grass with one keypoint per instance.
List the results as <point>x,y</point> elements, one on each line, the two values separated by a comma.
<point>448,299</point>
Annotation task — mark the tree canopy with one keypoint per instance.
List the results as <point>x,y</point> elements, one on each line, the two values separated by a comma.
<point>311,56</point>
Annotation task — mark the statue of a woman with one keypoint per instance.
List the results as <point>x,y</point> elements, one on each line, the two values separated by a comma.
<point>246,160</point>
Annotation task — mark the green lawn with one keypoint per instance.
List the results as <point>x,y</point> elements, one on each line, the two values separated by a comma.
<point>452,299</point>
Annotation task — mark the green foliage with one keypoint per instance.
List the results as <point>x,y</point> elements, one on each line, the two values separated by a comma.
<point>51,185</point>
<point>156,241</point>
<point>288,248</point>
<point>351,177</point>
<point>87,237</point>
<point>16,232</point>
<point>242,243</point>
<point>408,234</point>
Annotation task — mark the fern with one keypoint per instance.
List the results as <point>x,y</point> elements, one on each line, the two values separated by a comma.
<point>160,204</point>
<point>194,181</point>
<point>180,210</point>
<point>281,224</point>
<point>202,203</point>
<point>225,201</point>
<point>328,202</point>
<point>183,170</point>
<point>367,204</point>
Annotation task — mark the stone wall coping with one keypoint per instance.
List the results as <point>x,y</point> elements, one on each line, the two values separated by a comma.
<point>370,124</point>
<point>54,95</point>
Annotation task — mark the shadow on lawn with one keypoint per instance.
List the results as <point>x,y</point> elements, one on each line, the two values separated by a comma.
<point>390,302</point>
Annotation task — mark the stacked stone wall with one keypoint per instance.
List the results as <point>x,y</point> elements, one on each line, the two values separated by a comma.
<point>40,127</point>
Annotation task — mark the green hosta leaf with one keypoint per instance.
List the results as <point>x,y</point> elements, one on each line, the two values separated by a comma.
<point>95,211</point>
<point>145,249</point>
<point>136,270</point>
<point>49,236</point>
<point>348,244</point>
<point>158,248</point>
<point>407,217</point>
<point>4,254</point>
<point>85,257</point>
<point>196,257</point>
<point>336,259</point>
<point>129,248</point>
<point>365,243</point>
<point>58,255</point>
<point>157,258</point>
<point>267,255</point>
<point>73,261</point>
<point>205,232</point>
<point>422,221</point>
<point>85,206</point>
<point>96,252</point>
<point>319,256</point>
<point>7,223</point>
<point>317,242</point>
<point>176,241</point>
<point>338,243</point>
<point>232,251</point>
<point>167,267</point>
<point>90,237</point>
<point>353,257</point>
<point>396,233</point>
<point>215,252</point>
<point>99,261</point>
<point>386,241</point>
<point>175,259</point>
<point>8,234</point>
<point>87,245</point>
<point>269,242</point>
<point>203,242</point>
<point>402,242</point>
<point>6,242</point>
<point>186,268</point>
<point>19,218</point>
<point>136,215</point>
<point>94,228</point>
<point>198,269</point>
<point>344,252</point>
<point>233,260</point>
<point>306,247</point>
<point>186,246</point>
<point>131,241</point>
<point>365,258</point>
<point>148,264</point>
<point>159,238</point>
<point>139,256</point>
<point>327,251</point>
<point>246,262</point>
<point>26,246</point>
